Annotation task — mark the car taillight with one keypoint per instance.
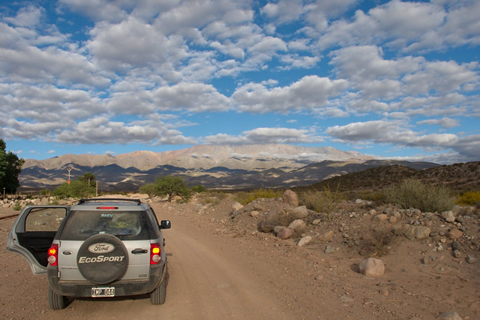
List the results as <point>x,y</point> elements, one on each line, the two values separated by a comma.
<point>155,253</point>
<point>53,255</point>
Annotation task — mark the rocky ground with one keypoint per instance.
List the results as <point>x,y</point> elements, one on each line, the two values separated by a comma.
<point>431,267</point>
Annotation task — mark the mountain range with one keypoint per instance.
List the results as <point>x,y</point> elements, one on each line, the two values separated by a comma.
<point>215,167</point>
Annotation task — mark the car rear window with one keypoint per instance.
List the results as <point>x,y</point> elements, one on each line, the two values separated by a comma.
<point>126,225</point>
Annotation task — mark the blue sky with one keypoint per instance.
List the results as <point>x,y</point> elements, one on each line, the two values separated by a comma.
<point>392,79</point>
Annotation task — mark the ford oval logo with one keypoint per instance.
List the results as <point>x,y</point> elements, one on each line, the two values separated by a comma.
<point>101,248</point>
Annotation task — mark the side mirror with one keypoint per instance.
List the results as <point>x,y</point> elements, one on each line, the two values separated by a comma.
<point>165,224</point>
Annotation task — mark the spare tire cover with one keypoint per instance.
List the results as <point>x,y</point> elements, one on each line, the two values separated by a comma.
<point>102,258</point>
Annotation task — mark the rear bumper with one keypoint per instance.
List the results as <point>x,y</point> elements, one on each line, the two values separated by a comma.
<point>122,287</point>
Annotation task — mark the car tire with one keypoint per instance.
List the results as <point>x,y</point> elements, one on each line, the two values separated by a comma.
<point>103,272</point>
<point>158,295</point>
<point>56,301</point>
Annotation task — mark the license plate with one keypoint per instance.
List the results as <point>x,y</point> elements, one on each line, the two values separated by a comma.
<point>103,292</point>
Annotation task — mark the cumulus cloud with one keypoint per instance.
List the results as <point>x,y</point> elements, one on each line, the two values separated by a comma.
<point>266,136</point>
<point>444,122</point>
<point>105,131</point>
<point>309,92</point>
<point>392,132</point>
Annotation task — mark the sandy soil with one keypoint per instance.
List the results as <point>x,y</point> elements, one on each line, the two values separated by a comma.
<point>223,268</point>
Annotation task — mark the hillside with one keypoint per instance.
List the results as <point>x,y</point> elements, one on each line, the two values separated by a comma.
<point>458,177</point>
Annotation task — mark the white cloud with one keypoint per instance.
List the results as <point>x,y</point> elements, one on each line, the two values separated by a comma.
<point>309,92</point>
<point>444,122</point>
<point>104,131</point>
<point>27,17</point>
<point>266,136</point>
<point>392,132</point>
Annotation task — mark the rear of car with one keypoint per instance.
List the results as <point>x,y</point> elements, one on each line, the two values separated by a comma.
<point>107,248</point>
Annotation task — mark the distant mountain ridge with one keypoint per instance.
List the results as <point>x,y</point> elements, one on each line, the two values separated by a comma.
<point>250,157</point>
<point>215,167</point>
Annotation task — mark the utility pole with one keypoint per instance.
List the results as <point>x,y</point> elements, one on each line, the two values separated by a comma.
<point>69,169</point>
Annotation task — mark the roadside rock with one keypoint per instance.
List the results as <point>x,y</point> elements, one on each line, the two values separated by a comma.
<point>304,241</point>
<point>372,267</point>
<point>455,234</point>
<point>291,198</point>
<point>448,216</point>
<point>449,315</point>
<point>285,233</point>
<point>471,259</point>
<point>330,249</point>
<point>236,206</point>
<point>380,218</point>
<point>297,225</point>
<point>299,212</point>
<point>276,217</point>
<point>414,233</point>
<point>326,236</point>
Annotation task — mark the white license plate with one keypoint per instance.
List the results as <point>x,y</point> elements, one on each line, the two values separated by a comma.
<point>103,292</point>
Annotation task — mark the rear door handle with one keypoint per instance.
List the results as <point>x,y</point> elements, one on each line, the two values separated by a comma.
<point>139,251</point>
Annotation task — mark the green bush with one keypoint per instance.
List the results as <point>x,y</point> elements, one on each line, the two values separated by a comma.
<point>412,193</point>
<point>245,198</point>
<point>199,189</point>
<point>17,206</point>
<point>469,198</point>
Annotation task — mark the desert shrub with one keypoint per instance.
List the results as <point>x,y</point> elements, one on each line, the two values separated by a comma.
<point>468,198</point>
<point>325,201</point>
<point>245,198</point>
<point>199,189</point>
<point>211,197</point>
<point>378,243</point>
<point>17,206</point>
<point>412,193</point>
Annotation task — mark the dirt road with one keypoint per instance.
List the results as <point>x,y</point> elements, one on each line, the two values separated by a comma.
<point>206,281</point>
<point>223,268</point>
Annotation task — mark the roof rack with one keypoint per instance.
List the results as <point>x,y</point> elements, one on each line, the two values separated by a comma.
<point>137,201</point>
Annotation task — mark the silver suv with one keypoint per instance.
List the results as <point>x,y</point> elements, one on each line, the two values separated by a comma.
<point>97,248</point>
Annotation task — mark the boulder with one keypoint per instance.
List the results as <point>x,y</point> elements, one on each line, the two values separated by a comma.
<point>236,206</point>
<point>299,212</point>
<point>455,234</point>
<point>285,233</point>
<point>291,198</point>
<point>326,236</point>
<point>414,233</point>
<point>449,315</point>
<point>276,217</point>
<point>297,225</point>
<point>254,213</point>
<point>372,267</point>
<point>380,218</point>
<point>448,216</point>
<point>304,241</point>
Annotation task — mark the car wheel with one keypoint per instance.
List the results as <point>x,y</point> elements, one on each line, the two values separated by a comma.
<point>56,301</point>
<point>158,295</point>
<point>102,258</point>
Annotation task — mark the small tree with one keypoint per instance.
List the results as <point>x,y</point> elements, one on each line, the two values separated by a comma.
<point>80,188</point>
<point>10,168</point>
<point>150,189</point>
<point>172,186</point>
